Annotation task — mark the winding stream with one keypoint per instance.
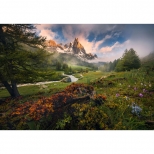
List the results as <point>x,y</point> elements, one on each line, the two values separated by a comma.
<point>73,79</point>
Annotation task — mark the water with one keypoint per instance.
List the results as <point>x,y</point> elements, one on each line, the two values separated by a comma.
<point>73,78</point>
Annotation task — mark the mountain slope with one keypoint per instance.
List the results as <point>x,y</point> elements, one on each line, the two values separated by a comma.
<point>73,48</point>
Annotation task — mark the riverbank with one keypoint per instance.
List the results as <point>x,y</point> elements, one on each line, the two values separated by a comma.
<point>73,79</point>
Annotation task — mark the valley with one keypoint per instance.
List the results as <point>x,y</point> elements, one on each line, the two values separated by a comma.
<point>45,85</point>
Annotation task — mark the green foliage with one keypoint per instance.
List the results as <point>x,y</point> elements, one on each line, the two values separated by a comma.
<point>58,66</point>
<point>108,108</point>
<point>65,66</point>
<point>21,53</point>
<point>129,61</point>
<point>108,67</point>
<point>62,124</point>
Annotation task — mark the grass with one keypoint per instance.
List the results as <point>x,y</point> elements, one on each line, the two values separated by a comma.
<point>27,91</point>
<point>57,86</point>
<point>77,67</point>
<point>116,110</point>
<point>90,76</point>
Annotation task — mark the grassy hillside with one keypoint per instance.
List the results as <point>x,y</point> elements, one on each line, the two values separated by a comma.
<point>97,101</point>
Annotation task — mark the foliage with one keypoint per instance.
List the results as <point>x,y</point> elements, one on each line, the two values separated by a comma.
<point>108,67</point>
<point>109,105</point>
<point>129,61</point>
<point>31,113</point>
<point>21,53</point>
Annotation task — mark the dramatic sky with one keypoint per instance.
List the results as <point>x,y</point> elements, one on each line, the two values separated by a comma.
<point>108,41</point>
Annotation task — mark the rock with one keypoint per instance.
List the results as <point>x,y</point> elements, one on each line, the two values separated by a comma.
<point>66,79</point>
<point>136,109</point>
<point>51,43</point>
<point>75,48</point>
<point>60,46</point>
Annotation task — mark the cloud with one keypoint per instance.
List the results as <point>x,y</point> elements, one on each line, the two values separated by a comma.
<point>48,34</point>
<point>117,38</point>
<point>70,31</point>
<point>98,43</point>
<point>112,48</point>
<point>43,26</point>
<point>92,47</point>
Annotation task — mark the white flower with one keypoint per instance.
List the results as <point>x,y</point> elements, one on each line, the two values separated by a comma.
<point>126,97</point>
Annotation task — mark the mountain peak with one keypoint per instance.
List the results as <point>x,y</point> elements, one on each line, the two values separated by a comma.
<point>77,47</point>
<point>74,47</point>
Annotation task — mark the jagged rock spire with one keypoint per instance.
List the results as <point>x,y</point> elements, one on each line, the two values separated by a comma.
<point>74,47</point>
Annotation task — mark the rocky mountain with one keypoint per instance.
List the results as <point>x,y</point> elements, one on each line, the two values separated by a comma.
<point>74,48</point>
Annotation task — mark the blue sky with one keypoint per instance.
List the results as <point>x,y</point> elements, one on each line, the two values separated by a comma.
<point>108,41</point>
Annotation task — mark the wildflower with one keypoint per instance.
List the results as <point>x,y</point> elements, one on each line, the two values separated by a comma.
<point>129,86</point>
<point>141,95</point>
<point>149,85</point>
<point>126,97</point>
<point>135,88</point>
<point>144,90</point>
<point>145,85</point>
<point>141,84</point>
<point>117,95</point>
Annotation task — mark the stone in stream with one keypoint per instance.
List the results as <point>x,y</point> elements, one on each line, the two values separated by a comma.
<point>66,79</point>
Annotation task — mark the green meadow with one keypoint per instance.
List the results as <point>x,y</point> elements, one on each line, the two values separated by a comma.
<point>121,90</point>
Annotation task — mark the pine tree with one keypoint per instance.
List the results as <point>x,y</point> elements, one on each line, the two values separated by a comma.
<point>65,66</point>
<point>21,53</point>
<point>58,66</point>
<point>129,60</point>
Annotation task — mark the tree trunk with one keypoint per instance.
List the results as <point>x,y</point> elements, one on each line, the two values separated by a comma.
<point>13,91</point>
<point>8,87</point>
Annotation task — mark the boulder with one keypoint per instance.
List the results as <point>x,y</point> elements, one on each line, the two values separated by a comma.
<point>66,79</point>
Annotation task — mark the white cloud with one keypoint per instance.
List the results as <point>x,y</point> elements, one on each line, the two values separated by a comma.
<point>139,39</point>
<point>48,34</point>
<point>98,43</point>
<point>114,46</point>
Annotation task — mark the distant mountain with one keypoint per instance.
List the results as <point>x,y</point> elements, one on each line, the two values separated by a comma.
<point>73,48</point>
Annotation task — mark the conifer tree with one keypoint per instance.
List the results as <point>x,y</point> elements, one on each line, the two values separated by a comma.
<point>21,52</point>
<point>129,60</point>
